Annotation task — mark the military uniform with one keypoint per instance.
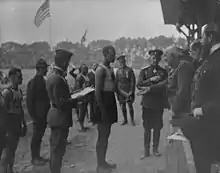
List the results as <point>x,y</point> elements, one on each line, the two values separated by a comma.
<point>153,104</point>
<point>38,105</point>
<point>125,81</point>
<point>60,115</point>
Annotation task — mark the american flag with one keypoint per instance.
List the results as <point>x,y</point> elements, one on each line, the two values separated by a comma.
<point>42,13</point>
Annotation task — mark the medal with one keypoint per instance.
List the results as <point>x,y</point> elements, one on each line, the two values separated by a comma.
<point>126,74</point>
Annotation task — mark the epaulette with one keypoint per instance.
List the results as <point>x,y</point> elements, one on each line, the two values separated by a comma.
<point>145,67</point>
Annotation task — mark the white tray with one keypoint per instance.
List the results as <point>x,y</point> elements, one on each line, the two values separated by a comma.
<point>84,92</point>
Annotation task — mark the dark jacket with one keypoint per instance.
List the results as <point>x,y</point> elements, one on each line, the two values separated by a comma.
<point>38,102</point>
<point>204,133</point>
<point>156,98</point>
<point>58,91</point>
<point>179,87</point>
<point>125,80</point>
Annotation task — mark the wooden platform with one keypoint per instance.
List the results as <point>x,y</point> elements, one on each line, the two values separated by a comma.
<point>179,158</point>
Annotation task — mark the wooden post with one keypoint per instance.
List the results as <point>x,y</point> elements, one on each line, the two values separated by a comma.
<point>194,32</point>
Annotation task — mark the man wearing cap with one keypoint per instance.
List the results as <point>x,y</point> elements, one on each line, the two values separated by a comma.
<point>152,80</point>
<point>59,117</point>
<point>106,107</point>
<point>203,130</point>
<point>38,105</point>
<point>125,81</point>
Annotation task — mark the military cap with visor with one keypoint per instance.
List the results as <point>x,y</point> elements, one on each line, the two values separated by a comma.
<point>156,52</point>
<point>62,55</point>
<point>41,63</point>
<point>122,55</point>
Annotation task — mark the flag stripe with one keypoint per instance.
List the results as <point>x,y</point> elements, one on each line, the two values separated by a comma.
<point>42,13</point>
<point>40,19</point>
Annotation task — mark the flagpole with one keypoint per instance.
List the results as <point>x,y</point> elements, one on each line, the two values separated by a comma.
<point>50,29</point>
<point>50,32</point>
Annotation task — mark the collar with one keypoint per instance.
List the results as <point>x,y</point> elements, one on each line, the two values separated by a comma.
<point>62,72</point>
<point>214,48</point>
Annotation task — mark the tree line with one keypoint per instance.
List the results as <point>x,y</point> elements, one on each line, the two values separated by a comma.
<point>26,55</point>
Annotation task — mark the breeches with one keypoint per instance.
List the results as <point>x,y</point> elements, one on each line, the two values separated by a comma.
<point>58,141</point>
<point>152,119</point>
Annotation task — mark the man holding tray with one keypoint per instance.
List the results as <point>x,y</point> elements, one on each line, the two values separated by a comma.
<point>60,116</point>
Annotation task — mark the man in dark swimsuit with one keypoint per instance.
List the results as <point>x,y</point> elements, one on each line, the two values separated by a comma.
<point>106,110</point>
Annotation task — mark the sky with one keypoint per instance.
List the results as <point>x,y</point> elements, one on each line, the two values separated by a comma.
<point>104,19</point>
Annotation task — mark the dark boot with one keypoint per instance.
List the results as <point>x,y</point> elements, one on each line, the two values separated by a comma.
<point>124,112</point>
<point>147,139</point>
<point>156,140</point>
<point>131,111</point>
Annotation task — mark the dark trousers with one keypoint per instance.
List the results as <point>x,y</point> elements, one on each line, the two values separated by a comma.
<point>124,110</point>
<point>8,154</point>
<point>58,141</point>
<point>39,128</point>
<point>104,130</point>
<point>152,119</point>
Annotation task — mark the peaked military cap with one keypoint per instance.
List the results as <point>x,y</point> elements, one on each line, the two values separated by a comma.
<point>41,63</point>
<point>121,56</point>
<point>156,52</point>
<point>62,54</point>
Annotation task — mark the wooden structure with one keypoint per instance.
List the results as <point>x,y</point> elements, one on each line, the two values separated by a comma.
<point>190,14</point>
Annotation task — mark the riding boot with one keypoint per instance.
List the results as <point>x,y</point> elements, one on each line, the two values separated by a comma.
<point>131,111</point>
<point>147,139</point>
<point>124,112</point>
